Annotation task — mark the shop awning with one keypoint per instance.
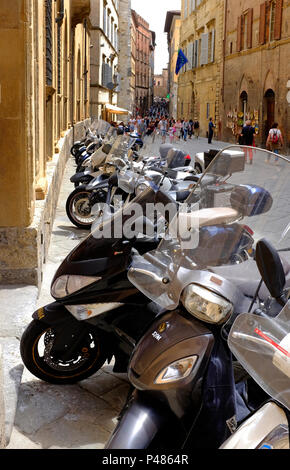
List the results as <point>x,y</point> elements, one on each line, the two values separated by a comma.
<point>115,110</point>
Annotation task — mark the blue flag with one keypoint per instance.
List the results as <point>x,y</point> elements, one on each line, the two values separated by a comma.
<point>181,61</point>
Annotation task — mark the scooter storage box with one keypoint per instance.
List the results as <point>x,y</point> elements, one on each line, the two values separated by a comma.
<point>251,200</point>
<point>229,162</point>
<point>209,156</point>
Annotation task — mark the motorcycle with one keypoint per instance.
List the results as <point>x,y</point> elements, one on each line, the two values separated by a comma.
<point>189,392</point>
<point>98,314</point>
<point>261,342</point>
<point>93,138</point>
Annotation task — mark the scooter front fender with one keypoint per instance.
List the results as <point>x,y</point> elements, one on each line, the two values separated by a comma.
<point>53,314</point>
<point>144,424</point>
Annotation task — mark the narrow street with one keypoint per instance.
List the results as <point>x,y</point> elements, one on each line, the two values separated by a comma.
<point>78,416</point>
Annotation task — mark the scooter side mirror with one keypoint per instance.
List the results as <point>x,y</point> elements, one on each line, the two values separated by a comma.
<point>271,268</point>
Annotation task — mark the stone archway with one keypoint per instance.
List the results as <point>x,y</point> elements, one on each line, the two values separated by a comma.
<point>244,104</point>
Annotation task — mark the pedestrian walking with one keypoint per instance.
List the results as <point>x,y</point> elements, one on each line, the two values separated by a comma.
<point>196,128</point>
<point>274,141</point>
<point>247,136</point>
<point>211,127</point>
<point>178,127</point>
<point>163,126</point>
<point>190,128</point>
<point>185,129</point>
<point>172,132</point>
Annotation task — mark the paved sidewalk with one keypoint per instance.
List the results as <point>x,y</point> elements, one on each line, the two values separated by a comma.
<point>78,416</point>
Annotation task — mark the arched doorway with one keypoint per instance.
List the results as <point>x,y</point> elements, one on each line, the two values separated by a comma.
<point>244,105</point>
<point>269,107</point>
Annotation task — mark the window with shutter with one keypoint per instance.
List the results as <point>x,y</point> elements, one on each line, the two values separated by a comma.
<point>211,46</point>
<point>239,34</point>
<point>204,49</point>
<point>185,8</point>
<point>196,62</point>
<point>278,20</point>
<point>250,29</point>
<point>189,56</point>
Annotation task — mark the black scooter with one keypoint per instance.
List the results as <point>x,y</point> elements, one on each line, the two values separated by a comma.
<point>98,313</point>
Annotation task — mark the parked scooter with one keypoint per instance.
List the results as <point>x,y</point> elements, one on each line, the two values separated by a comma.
<point>98,312</point>
<point>261,342</point>
<point>188,393</point>
<point>94,134</point>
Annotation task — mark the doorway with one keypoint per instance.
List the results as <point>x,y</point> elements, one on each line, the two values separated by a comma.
<point>269,107</point>
<point>244,105</point>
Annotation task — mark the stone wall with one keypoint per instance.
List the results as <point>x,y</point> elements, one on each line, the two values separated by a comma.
<point>199,84</point>
<point>23,250</point>
<point>254,67</point>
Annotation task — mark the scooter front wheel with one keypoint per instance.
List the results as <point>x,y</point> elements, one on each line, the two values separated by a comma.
<point>79,210</point>
<point>35,348</point>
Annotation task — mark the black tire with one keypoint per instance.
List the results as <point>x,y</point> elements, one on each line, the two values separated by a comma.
<point>79,196</point>
<point>75,148</point>
<point>90,359</point>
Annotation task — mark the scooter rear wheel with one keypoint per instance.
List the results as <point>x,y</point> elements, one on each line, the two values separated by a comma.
<point>35,347</point>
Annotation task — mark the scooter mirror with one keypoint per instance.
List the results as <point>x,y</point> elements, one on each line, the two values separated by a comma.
<point>271,268</point>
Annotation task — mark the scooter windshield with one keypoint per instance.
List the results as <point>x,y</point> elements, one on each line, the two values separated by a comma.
<point>262,346</point>
<point>242,197</point>
<point>119,151</point>
<point>100,127</point>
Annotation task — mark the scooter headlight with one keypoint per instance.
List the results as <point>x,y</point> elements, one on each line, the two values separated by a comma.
<point>66,285</point>
<point>140,188</point>
<point>176,370</point>
<point>206,305</point>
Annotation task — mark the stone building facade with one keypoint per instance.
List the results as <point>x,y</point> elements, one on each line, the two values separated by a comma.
<point>256,77</point>
<point>44,103</point>
<point>127,57</point>
<point>104,56</point>
<point>199,81</point>
<point>172,28</point>
<point>161,87</point>
<point>145,45</point>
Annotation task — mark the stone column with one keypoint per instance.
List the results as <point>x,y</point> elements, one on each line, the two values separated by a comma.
<point>16,176</point>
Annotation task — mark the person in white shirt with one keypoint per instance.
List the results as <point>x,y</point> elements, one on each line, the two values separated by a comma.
<point>274,141</point>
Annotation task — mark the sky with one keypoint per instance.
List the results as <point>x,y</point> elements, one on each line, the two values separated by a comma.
<point>154,12</point>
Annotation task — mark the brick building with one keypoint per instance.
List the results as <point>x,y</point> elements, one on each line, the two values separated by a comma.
<point>145,45</point>
<point>256,67</point>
